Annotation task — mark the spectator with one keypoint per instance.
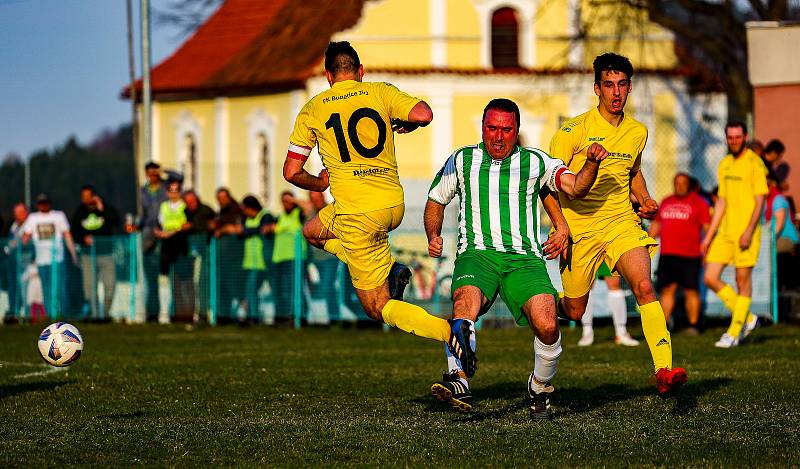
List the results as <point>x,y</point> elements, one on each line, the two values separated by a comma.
<point>172,230</point>
<point>49,230</point>
<point>288,230</point>
<point>33,297</point>
<point>257,223</point>
<point>681,221</point>
<point>19,258</point>
<point>152,195</point>
<point>201,217</point>
<point>230,250</point>
<point>786,236</point>
<point>778,170</point>
<point>94,223</point>
<point>757,147</point>
<point>327,264</point>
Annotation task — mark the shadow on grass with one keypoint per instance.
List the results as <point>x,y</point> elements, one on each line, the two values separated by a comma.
<point>754,339</point>
<point>686,400</point>
<point>577,400</point>
<point>10,390</point>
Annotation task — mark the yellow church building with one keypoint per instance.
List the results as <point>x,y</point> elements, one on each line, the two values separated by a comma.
<point>225,101</point>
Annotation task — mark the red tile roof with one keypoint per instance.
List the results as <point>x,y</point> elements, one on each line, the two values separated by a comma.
<point>253,45</point>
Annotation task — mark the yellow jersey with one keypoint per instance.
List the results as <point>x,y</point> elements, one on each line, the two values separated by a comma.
<point>608,201</point>
<point>351,123</point>
<point>740,181</point>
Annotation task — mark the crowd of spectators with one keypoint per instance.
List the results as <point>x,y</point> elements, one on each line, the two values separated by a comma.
<point>55,265</point>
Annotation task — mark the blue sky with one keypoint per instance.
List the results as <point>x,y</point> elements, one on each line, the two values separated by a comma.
<point>64,63</point>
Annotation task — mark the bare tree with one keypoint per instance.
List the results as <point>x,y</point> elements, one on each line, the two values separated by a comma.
<point>185,15</point>
<point>715,35</point>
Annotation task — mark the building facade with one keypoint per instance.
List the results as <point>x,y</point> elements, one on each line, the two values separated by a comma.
<point>226,100</point>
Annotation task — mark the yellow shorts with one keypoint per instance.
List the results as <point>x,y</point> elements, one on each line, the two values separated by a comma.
<point>588,252</point>
<point>365,239</point>
<point>725,249</point>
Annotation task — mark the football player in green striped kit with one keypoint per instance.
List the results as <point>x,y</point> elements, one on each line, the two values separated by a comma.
<point>500,250</point>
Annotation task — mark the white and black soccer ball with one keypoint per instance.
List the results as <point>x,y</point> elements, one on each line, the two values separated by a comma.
<point>60,344</point>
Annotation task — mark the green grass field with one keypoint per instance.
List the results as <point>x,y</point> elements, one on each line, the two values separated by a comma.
<point>164,396</point>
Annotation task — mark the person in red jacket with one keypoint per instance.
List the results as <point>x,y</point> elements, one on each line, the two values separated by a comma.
<point>681,222</point>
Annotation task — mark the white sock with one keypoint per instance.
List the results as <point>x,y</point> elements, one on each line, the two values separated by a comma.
<point>619,311</point>
<point>453,363</point>
<point>545,359</point>
<point>587,318</point>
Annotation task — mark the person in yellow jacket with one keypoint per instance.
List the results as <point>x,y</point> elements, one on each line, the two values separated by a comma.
<point>173,228</point>
<point>258,223</point>
<point>289,244</point>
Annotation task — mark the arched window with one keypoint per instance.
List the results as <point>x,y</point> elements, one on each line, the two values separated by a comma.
<point>188,165</point>
<point>263,165</point>
<point>505,38</point>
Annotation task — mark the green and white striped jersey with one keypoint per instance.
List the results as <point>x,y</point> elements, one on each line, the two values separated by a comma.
<point>499,199</point>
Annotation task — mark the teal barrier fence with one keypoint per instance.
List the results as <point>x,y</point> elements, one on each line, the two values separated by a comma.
<point>224,280</point>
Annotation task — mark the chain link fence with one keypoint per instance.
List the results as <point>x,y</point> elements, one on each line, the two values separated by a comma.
<point>115,279</point>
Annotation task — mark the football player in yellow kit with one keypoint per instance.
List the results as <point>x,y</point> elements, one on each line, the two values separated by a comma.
<point>603,225</point>
<point>734,236</point>
<point>353,124</point>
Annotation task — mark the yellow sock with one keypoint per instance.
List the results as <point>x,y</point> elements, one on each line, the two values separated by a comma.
<point>655,332</point>
<point>415,320</point>
<point>739,315</point>
<point>728,297</point>
<point>334,246</point>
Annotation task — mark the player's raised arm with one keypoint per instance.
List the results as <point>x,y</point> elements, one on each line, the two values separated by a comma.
<point>578,185</point>
<point>419,116</point>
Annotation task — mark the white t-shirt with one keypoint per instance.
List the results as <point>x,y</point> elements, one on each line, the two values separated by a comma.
<point>47,231</point>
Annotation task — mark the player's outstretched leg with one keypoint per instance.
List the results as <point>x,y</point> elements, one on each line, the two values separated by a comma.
<point>409,318</point>
<point>453,389</point>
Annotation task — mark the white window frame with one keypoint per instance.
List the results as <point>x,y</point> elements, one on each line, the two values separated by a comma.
<point>187,126</point>
<point>261,123</point>
<point>526,11</point>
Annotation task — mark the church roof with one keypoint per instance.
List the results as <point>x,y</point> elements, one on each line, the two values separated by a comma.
<point>249,45</point>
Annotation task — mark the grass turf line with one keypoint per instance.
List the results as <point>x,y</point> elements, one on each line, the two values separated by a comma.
<point>159,395</point>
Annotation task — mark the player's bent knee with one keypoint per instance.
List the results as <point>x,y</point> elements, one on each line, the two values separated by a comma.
<point>573,312</point>
<point>548,333</point>
<point>711,281</point>
<point>644,291</point>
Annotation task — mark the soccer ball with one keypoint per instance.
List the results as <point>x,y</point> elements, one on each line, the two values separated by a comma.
<point>60,344</point>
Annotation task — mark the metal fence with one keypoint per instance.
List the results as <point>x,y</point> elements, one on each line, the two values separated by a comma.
<point>119,278</point>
